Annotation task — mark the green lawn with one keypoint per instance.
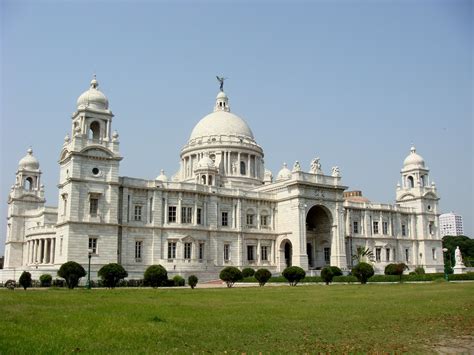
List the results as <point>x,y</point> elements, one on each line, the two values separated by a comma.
<point>342,318</point>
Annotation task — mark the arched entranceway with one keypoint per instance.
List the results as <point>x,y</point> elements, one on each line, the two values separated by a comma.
<point>318,237</point>
<point>286,254</point>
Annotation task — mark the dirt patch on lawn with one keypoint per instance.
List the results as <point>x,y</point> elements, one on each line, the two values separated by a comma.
<point>458,345</point>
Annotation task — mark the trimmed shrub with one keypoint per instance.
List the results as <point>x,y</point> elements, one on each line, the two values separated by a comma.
<point>46,280</point>
<point>230,275</point>
<point>262,276</point>
<point>192,281</point>
<point>111,274</point>
<point>327,275</point>
<point>312,279</point>
<point>25,280</point>
<point>58,283</point>
<point>419,270</point>
<point>363,272</point>
<point>336,271</point>
<point>71,272</point>
<point>348,279</point>
<point>10,284</point>
<point>155,276</point>
<point>384,278</point>
<point>178,281</point>
<point>390,269</point>
<point>135,283</point>
<point>396,269</point>
<point>248,272</point>
<point>459,277</point>
<point>293,275</point>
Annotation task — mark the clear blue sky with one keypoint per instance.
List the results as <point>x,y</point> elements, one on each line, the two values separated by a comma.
<point>353,82</point>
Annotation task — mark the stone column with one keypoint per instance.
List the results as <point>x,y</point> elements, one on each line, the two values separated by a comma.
<point>53,254</point>
<point>178,212</point>
<point>42,251</point>
<point>259,252</point>
<point>165,214</point>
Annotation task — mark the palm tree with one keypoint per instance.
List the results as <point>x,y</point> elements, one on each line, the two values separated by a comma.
<point>363,255</point>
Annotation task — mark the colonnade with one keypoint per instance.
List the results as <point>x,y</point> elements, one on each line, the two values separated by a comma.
<point>41,251</point>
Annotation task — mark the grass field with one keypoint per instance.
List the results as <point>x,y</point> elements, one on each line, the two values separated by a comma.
<point>342,318</point>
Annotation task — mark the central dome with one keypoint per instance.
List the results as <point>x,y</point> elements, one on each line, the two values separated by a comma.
<point>221,123</point>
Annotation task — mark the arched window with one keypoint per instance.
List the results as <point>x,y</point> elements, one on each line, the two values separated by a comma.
<point>29,184</point>
<point>203,179</point>
<point>210,180</point>
<point>94,130</point>
<point>242,168</point>
<point>411,182</point>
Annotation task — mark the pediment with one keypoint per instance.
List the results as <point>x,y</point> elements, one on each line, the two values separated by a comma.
<point>97,152</point>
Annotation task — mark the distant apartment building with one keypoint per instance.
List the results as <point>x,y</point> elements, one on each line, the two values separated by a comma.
<point>451,224</point>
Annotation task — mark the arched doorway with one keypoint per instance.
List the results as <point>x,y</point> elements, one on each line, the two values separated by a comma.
<point>318,237</point>
<point>286,254</point>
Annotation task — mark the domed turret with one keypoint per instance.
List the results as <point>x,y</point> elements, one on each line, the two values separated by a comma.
<point>413,160</point>
<point>162,177</point>
<point>93,98</point>
<point>206,163</point>
<point>28,162</point>
<point>284,173</point>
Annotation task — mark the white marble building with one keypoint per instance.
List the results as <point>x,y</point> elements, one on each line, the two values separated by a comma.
<point>221,208</point>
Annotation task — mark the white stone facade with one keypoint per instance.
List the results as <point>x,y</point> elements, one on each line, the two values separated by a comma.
<point>221,208</point>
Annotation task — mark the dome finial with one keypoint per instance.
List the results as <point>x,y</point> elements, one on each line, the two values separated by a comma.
<point>94,82</point>
<point>413,149</point>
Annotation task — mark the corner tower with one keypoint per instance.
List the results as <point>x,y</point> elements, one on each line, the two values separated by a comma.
<point>88,182</point>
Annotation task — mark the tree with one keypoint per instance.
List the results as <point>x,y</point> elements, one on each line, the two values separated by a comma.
<point>25,280</point>
<point>72,273</point>
<point>46,280</point>
<point>111,274</point>
<point>363,272</point>
<point>155,276</point>
<point>230,275</point>
<point>248,272</point>
<point>178,281</point>
<point>294,274</point>
<point>328,273</point>
<point>363,255</point>
<point>192,281</point>
<point>396,269</point>
<point>262,276</point>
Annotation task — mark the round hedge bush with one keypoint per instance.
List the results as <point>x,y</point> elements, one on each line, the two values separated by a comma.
<point>10,284</point>
<point>178,281</point>
<point>46,280</point>
<point>111,274</point>
<point>155,276</point>
<point>294,274</point>
<point>390,269</point>
<point>192,281</point>
<point>262,276</point>
<point>363,272</point>
<point>71,272</point>
<point>248,272</point>
<point>25,280</point>
<point>230,275</point>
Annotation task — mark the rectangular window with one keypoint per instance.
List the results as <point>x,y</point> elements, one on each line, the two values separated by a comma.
<point>355,227</point>
<point>327,255</point>
<point>387,254</point>
<point>138,249</point>
<point>264,221</point>
<point>138,213</point>
<point>186,214</point>
<point>150,217</point>
<point>375,229</point>
<point>201,251</point>
<point>198,217</point>
<point>93,245</point>
<point>433,253</point>
<point>171,250</point>
<point>385,227</point>
<point>404,230</point>
<point>250,220</point>
<point>93,206</point>
<point>407,255</point>
<point>226,252</point>
<point>378,253</point>
<point>431,228</point>
<point>171,214</point>
<point>264,252</point>
<point>250,252</point>
<point>225,219</point>
<point>187,250</point>
<point>61,246</point>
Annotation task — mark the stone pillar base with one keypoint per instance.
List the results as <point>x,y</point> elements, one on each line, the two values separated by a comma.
<point>459,269</point>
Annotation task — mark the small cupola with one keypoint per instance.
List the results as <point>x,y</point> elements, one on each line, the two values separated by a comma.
<point>222,102</point>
